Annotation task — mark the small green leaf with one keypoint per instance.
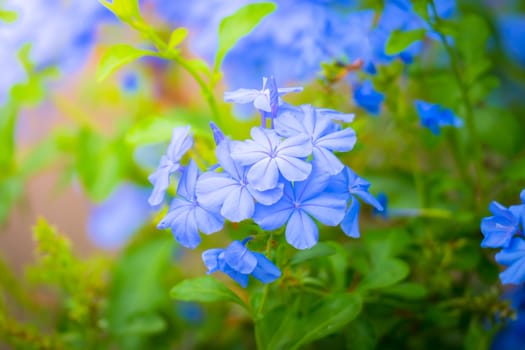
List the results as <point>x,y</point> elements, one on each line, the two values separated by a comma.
<point>118,56</point>
<point>204,289</point>
<point>127,10</point>
<point>238,25</point>
<point>143,323</point>
<point>399,41</point>
<point>387,273</point>
<point>407,290</point>
<point>318,251</point>
<point>177,36</point>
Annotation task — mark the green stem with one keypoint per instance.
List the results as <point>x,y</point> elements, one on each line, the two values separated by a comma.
<point>469,110</point>
<point>266,286</point>
<point>167,53</point>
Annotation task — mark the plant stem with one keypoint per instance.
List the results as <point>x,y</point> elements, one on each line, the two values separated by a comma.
<point>469,110</point>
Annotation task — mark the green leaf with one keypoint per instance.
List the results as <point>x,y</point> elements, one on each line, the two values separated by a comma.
<point>204,289</point>
<point>177,37</point>
<point>8,16</point>
<point>384,274</point>
<point>320,250</point>
<point>127,10</point>
<point>407,290</point>
<point>328,316</point>
<point>238,25</point>
<point>143,323</point>
<point>399,41</point>
<point>117,56</point>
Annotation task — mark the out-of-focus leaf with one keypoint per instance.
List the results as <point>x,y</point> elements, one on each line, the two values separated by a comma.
<point>204,289</point>
<point>360,335</point>
<point>407,290</point>
<point>399,40</point>
<point>127,10</point>
<point>117,56</point>
<point>177,37</point>
<point>10,191</point>
<point>238,25</point>
<point>8,16</point>
<point>319,250</point>
<point>386,273</point>
<point>143,323</point>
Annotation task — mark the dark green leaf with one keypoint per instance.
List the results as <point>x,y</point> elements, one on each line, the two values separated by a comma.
<point>318,251</point>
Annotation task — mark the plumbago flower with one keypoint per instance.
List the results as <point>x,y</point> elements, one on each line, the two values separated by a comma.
<point>366,97</point>
<point>284,176</point>
<point>433,116</point>
<point>238,262</point>
<point>181,142</point>
<point>503,230</point>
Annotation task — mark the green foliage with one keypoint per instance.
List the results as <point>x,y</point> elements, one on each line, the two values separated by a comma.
<point>127,10</point>
<point>400,40</point>
<point>238,25</point>
<point>8,16</point>
<point>177,37</point>
<point>204,289</point>
<point>117,56</point>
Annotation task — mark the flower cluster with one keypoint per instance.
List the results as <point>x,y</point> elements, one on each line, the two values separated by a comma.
<point>434,116</point>
<point>284,176</point>
<point>505,229</point>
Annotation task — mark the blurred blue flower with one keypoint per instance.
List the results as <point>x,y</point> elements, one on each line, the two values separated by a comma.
<point>190,312</point>
<point>433,116</point>
<point>238,262</point>
<point>512,31</point>
<point>181,142</point>
<point>513,256</point>
<point>367,98</point>
<point>382,199</point>
<point>230,190</point>
<point>513,335</point>
<point>269,156</point>
<point>325,136</point>
<point>130,82</point>
<point>302,202</point>
<point>186,216</point>
<point>61,33</point>
<point>355,187</point>
<point>112,222</point>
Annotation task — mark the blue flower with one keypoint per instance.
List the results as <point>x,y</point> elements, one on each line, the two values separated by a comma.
<point>181,142</point>
<point>356,187</point>
<point>302,202</point>
<point>230,190</point>
<point>499,229</point>
<point>238,262</point>
<point>366,97</point>
<point>513,256</point>
<point>186,216</point>
<point>326,136</point>
<point>111,223</point>
<point>512,31</point>
<point>433,116</point>
<point>264,99</point>
<point>270,156</point>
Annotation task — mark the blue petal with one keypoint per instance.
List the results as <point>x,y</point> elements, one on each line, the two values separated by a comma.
<point>273,216</point>
<point>188,181</point>
<point>238,277</point>
<point>210,258</point>
<point>185,229</point>
<point>514,257</point>
<point>208,222</point>
<point>268,197</point>
<point>328,208</point>
<point>265,271</point>
<point>181,142</point>
<point>292,169</point>
<point>327,160</point>
<point>248,152</point>
<point>213,188</point>
<point>341,141</point>
<point>498,231</point>
<point>264,174</point>
<point>301,231</point>
<point>238,205</point>
<point>160,180</point>
<point>240,258</point>
<point>297,146</point>
<point>241,95</point>
<point>223,152</point>
<point>350,223</point>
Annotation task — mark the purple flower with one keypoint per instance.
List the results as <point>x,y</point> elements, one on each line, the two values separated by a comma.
<point>270,156</point>
<point>357,187</point>
<point>186,216</point>
<point>367,98</point>
<point>262,99</point>
<point>112,222</point>
<point>302,202</point>
<point>181,142</point>
<point>433,116</point>
<point>238,262</point>
<point>230,190</point>
<point>326,136</point>
<point>513,256</point>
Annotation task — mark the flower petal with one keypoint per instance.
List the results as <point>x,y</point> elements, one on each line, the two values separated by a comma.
<point>265,271</point>
<point>241,95</point>
<point>301,231</point>
<point>273,216</point>
<point>240,258</point>
<point>238,205</point>
<point>341,141</point>
<point>350,223</point>
<point>293,169</point>
<point>181,142</point>
<point>213,188</point>
<point>264,174</point>
<point>207,221</point>
<point>210,258</point>
<point>188,181</point>
<point>328,208</point>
